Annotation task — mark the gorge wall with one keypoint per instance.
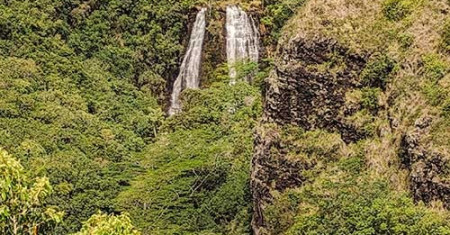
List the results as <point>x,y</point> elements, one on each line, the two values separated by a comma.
<point>337,71</point>
<point>300,94</point>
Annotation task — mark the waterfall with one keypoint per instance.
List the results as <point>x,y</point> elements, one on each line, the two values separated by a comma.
<point>190,67</point>
<point>242,39</point>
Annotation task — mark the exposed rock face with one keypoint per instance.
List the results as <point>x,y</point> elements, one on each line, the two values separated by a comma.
<point>307,89</point>
<point>300,94</point>
<point>271,171</point>
<point>426,165</point>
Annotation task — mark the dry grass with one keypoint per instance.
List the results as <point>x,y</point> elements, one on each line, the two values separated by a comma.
<point>361,25</point>
<point>339,19</point>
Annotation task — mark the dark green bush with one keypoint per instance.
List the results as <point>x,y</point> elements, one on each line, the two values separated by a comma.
<point>276,13</point>
<point>378,71</point>
<point>197,171</point>
<point>352,165</point>
<point>446,109</point>
<point>397,9</point>
<point>369,99</point>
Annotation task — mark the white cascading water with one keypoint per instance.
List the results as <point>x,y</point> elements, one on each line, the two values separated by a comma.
<point>189,76</point>
<point>242,39</point>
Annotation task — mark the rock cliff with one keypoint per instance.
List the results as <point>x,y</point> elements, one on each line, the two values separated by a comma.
<point>426,163</point>
<point>335,49</point>
<point>303,94</point>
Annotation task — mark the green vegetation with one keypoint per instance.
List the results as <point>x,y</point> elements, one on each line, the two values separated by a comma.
<point>369,99</point>
<point>84,85</point>
<point>434,67</point>
<point>82,138</point>
<point>377,71</point>
<point>79,84</point>
<point>351,204</point>
<point>435,70</point>
<point>276,13</point>
<point>363,189</point>
<point>406,40</point>
<point>21,200</point>
<point>102,224</point>
<point>197,177</point>
<point>363,208</point>
<point>435,93</point>
<point>397,9</point>
<point>22,208</point>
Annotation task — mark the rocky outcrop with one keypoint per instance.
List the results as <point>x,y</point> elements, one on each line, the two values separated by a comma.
<point>427,165</point>
<point>308,86</point>
<point>307,89</point>
<point>271,171</point>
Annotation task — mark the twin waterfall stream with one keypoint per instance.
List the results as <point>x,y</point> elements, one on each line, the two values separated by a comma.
<point>242,39</point>
<point>189,76</point>
<point>242,46</point>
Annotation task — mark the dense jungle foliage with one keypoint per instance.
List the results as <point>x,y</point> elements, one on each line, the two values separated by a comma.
<point>82,94</point>
<point>87,148</point>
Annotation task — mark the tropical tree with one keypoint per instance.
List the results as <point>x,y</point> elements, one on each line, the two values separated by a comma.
<point>21,202</point>
<point>103,224</point>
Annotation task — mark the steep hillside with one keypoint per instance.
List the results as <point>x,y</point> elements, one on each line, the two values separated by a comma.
<point>79,85</point>
<point>343,128</point>
<point>355,123</point>
<point>83,89</point>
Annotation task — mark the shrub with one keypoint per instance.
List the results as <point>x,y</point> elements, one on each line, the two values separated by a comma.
<point>434,68</point>
<point>277,12</point>
<point>102,224</point>
<point>446,109</point>
<point>369,99</point>
<point>281,215</point>
<point>377,71</point>
<point>21,200</point>
<point>397,9</point>
<point>154,83</point>
<point>435,93</point>
<point>352,165</point>
<point>405,40</point>
<point>198,174</point>
<point>245,70</point>
<point>364,208</point>
<point>351,203</point>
